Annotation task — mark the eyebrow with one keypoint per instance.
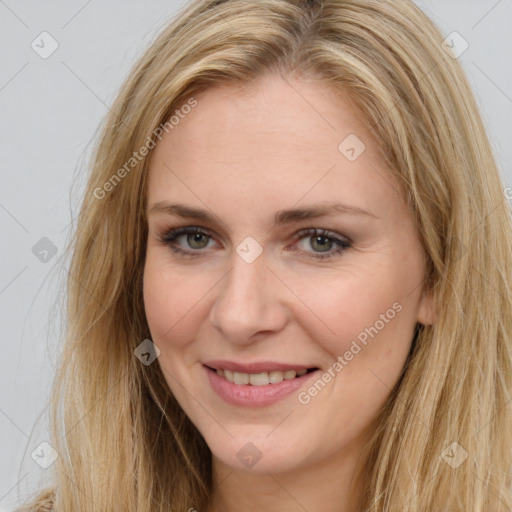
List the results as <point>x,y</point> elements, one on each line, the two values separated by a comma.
<point>281,216</point>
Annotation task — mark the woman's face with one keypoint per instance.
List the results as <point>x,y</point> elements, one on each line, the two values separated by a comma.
<point>255,296</point>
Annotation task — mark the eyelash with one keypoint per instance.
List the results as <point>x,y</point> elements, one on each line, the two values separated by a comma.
<point>168,238</point>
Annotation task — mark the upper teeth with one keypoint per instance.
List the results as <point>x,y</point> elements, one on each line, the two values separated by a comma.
<point>260,379</point>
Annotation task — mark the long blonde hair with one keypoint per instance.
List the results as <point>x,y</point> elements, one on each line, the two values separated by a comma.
<point>124,442</point>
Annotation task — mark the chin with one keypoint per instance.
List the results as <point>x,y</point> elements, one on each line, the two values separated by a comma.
<point>258,453</point>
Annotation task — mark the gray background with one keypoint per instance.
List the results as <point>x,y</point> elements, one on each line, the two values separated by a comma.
<point>50,110</point>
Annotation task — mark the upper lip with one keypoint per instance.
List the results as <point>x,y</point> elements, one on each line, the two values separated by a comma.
<point>255,367</point>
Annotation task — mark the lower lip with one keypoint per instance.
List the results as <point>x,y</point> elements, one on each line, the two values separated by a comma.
<point>255,396</point>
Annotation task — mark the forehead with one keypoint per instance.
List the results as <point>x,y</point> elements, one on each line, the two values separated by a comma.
<point>277,140</point>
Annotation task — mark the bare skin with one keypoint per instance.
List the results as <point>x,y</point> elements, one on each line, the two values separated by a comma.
<point>243,154</point>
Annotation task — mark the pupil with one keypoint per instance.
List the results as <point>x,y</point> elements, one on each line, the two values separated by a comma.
<point>195,238</point>
<point>325,244</point>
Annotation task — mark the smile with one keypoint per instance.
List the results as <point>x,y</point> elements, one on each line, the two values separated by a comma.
<point>255,387</point>
<point>262,378</point>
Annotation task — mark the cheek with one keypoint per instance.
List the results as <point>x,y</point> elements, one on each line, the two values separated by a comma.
<point>169,301</point>
<point>365,315</point>
<point>365,324</point>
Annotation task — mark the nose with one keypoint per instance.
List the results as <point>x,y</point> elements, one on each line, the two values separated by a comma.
<point>249,302</point>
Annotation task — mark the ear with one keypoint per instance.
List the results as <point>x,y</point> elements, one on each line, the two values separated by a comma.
<point>427,314</point>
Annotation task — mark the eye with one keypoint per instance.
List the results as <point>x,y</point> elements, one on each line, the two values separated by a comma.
<point>320,240</point>
<point>196,238</point>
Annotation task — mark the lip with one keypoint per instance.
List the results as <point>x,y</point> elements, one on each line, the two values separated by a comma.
<point>255,396</point>
<point>256,367</point>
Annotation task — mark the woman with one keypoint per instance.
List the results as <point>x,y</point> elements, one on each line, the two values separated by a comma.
<point>216,358</point>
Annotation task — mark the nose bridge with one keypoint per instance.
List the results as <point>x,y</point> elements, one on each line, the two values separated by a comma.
<point>247,302</point>
<point>246,277</point>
